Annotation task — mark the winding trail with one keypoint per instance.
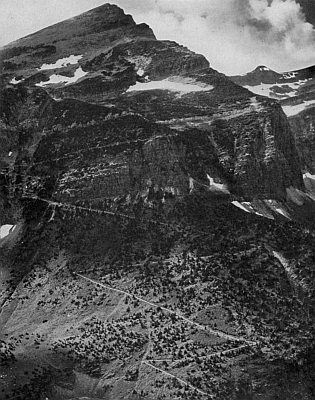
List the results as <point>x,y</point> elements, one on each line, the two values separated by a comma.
<point>178,379</point>
<point>74,207</point>
<point>68,206</point>
<point>199,326</point>
<point>218,353</point>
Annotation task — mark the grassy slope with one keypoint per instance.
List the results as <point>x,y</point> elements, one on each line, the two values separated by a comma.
<point>209,263</point>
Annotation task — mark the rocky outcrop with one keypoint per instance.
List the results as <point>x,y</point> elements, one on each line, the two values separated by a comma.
<point>259,75</point>
<point>270,158</point>
<point>295,90</point>
<point>106,24</point>
<point>104,152</point>
<point>303,127</point>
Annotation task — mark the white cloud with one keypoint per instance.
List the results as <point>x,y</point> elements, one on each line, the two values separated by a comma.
<point>235,35</point>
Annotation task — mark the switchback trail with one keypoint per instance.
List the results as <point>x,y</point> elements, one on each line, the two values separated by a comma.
<point>217,353</point>
<point>178,379</point>
<point>199,326</point>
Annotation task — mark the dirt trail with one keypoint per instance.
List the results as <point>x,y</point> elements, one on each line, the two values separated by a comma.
<point>178,379</point>
<point>201,327</point>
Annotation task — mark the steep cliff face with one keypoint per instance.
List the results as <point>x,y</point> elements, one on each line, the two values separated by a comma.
<point>88,153</point>
<point>171,93</point>
<point>137,267</point>
<point>295,91</point>
<point>303,127</point>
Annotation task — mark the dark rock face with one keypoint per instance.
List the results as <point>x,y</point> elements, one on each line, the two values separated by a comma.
<point>130,274</point>
<point>259,75</point>
<point>295,90</point>
<point>303,127</point>
<point>251,150</point>
<point>106,24</point>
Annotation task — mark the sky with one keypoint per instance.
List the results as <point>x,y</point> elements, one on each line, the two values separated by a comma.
<point>235,35</point>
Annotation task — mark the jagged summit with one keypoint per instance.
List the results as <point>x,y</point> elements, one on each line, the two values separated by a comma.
<point>262,68</point>
<point>95,21</point>
<point>83,34</point>
<point>261,74</point>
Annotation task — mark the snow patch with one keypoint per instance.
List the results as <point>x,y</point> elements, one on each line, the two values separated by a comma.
<point>179,85</point>
<point>255,210</point>
<point>289,75</point>
<point>265,89</point>
<point>140,72</point>
<point>298,83</point>
<point>61,63</point>
<point>239,205</point>
<point>280,211</point>
<point>191,184</point>
<point>293,110</point>
<point>5,230</point>
<point>217,186</point>
<point>308,175</point>
<point>15,82</point>
<point>263,208</point>
<point>55,78</point>
<point>262,89</point>
<point>277,207</point>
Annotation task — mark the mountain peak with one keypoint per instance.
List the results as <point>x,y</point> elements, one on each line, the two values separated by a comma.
<point>260,75</point>
<point>262,68</point>
<point>82,34</point>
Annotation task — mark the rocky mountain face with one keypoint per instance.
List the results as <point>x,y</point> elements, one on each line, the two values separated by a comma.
<point>156,232</point>
<point>295,91</point>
